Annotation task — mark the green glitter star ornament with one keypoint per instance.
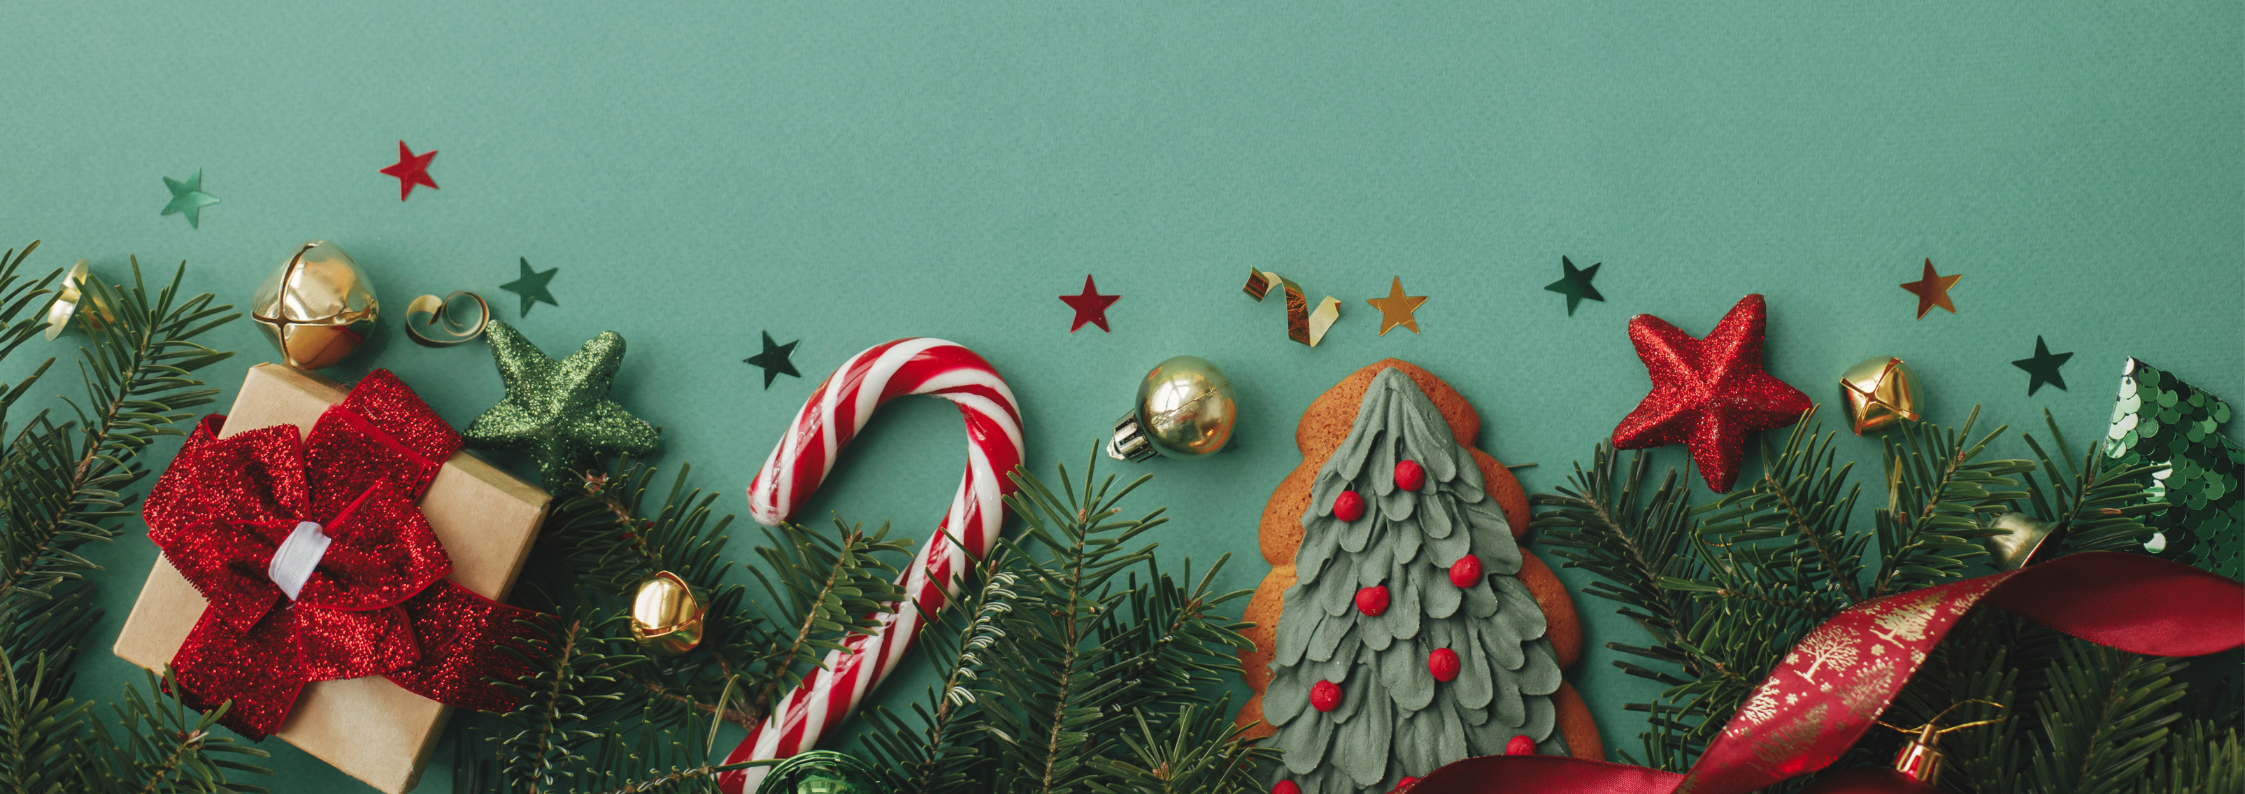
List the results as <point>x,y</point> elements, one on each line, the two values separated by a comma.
<point>532,286</point>
<point>2158,420</point>
<point>188,198</point>
<point>558,412</point>
<point>1575,284</point>
<point>2043,368</point>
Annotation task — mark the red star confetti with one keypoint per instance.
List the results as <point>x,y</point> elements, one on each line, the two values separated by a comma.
<point>411,169</point>
<point>1091,307</point>
<point>1709,393</point>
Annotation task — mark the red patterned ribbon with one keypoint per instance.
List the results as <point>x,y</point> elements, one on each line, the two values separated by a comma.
<point>378,604</point>
<point>1828,691</point>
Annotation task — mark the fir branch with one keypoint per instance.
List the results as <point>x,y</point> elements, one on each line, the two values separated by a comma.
<point>1792,521</point>
<point>163,746</point>
<point>1940,501</point>
<point>2106,712</point>
<point>837,585</point>
<point>1605,525</point>
<point>943,751</point>
<point>568,694</point>
<point>2101,508</point>
<point>1199,750</point>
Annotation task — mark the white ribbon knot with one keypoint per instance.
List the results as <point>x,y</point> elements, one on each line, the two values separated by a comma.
<point>297,557</point>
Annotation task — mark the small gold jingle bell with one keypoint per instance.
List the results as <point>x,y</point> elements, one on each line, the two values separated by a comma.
<point>317,307</point>
<point>666,616</point>
<point>71,294</point>
<point>2022,536</point>
<point>1185,409</point>
<point>1879,392</point>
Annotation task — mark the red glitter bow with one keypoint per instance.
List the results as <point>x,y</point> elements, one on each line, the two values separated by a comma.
<point>378,602</point>
<point>1829,690</point>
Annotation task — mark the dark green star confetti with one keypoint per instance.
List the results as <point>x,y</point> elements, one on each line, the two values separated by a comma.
<point>2043,367</point>
<point>774,359</point>
<point>558,411</point>
<point>1575,284</point>
<point>532,286</point>
<point>188,198</point>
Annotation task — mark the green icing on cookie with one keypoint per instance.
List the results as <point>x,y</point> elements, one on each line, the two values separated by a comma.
<point>1394,719</point>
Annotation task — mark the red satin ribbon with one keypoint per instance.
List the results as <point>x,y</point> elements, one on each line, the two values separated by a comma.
<point>378,604</point>
<point>1831,688</point>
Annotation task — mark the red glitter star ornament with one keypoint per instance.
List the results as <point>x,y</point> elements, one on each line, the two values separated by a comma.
<point>1091,307</point>
<point>412,169</point>
<point>1708,393</point>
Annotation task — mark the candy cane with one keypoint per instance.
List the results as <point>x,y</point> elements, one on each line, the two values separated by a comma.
<point>839,408</point>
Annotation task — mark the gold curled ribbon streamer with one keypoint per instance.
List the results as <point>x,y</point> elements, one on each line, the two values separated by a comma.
<point>429,319</point>
<point>1302,324</point>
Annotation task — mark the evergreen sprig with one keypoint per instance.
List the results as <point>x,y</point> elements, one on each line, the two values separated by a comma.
<point>68,482</point>
<point>1725,589</point>
<point>1074,665</point>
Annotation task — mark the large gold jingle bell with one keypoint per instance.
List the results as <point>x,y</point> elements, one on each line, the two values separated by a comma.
<point>1185,409</point>
<point>666,616</point>
<point>317,308</point>
<point>1880,392</point>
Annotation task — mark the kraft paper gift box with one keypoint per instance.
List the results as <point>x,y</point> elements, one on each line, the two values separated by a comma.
<point>368,727</point>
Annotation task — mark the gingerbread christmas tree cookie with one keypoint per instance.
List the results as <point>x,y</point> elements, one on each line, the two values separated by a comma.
<point>1402,626</point>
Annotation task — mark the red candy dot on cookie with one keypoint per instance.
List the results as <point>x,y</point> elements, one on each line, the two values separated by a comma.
<point>1443,663</point>
<point>1466,572</point>
<point>1372,600</point>
<point>1520,745</point>
<point>1404,785</point>
<point>1286,787</point>
<point>1325,696</point>
<point>1409,475</point>
<point>1348,506</point>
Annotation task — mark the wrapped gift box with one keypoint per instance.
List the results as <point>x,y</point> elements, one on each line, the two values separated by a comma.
<point>368,727</point>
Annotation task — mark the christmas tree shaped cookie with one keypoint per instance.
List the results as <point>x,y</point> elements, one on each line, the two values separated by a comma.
<point>1402,626</point>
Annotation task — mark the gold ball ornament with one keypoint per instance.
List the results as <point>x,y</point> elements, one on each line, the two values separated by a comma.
<point>2020,538</point>
<point>318,307</point>
<point>1880,392</point>
<point>666,616</point>
<point>1185,409</point>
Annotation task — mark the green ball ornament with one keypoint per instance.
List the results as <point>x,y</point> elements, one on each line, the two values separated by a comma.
<point>821,772</point>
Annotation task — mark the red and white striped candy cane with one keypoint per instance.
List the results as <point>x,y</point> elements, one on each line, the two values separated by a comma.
<point>836,411</point>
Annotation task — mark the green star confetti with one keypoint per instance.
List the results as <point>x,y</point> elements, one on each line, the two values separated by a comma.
<point>2158,420</point>
<point>774,359</point>
<point>532,286</point>
<point>188,198</point>
<point>558,412</point>
<point>1575,284</point>
<point>2043,367</point>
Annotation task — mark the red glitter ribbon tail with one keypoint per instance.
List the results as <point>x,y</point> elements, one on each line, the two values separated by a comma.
<point>465,639</point>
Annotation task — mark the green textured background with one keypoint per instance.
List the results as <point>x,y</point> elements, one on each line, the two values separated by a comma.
<point>849,173</point>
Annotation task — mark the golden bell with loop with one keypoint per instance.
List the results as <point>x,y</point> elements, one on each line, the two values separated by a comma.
<point>318,307</point>
<point>1879,392</point>
<point>666,616</point>
<point>2021,537</point>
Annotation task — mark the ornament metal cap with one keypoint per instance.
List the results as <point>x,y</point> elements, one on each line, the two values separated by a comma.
<point>1880,392</point>
<point>1185,409</point>
<point>317,307</point>
<point>2020,537</point>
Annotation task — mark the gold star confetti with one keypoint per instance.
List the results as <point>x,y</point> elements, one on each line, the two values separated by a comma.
<point>1396,309</point>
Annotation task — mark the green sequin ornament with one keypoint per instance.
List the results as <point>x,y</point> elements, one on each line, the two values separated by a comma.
<point>558,411</point>
<point>820,772</point>
<point>2158,420</point>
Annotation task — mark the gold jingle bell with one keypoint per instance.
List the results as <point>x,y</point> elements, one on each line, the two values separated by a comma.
<point>665,615</point>
<point>2020,537</point>
<point>317,308</point>
<point>1185,409</point>
<point>1879,392</point>
<point>71,293</point>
